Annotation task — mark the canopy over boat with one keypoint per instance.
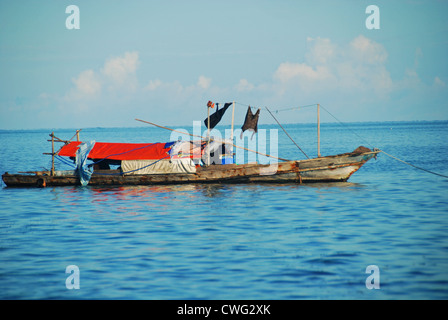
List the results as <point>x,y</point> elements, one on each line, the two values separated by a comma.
<point>120,151</point>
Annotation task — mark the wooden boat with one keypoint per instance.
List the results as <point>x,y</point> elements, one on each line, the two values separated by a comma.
<point>337,168</point>
<point>158,163</point>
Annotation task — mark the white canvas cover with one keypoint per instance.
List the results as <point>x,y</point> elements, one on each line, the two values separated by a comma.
<point>164,166</point>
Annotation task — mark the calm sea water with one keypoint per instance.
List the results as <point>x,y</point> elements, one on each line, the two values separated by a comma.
<point>272,241</point>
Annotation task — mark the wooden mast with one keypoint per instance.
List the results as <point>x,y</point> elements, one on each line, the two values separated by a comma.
<point>318,131</point>
<point>208,133</point>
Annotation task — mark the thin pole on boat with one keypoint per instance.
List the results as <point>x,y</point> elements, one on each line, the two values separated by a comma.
<point>76,134</point>
<point>52,153</point>
<point>233,118</point>
<point>318,131</point>
<point>287,133</point>
<point>231,128</point>
<point>208,132</point>
<point>208,121</point>
<point>195,135</point>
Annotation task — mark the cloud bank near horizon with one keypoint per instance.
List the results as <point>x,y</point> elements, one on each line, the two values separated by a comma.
<point>352,78</point>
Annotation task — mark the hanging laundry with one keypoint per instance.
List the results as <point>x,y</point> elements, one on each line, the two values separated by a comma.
<point>216,117</point>
<point>81,162</point>
<point>251,121</point>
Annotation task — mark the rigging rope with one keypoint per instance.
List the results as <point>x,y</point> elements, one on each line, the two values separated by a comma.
<point>342,123</point>
<point>368,143</point>
<point>126,172</point>
<point>410,164</point>
<point>287,133</point>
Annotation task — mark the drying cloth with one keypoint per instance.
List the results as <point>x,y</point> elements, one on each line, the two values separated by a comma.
<point>81,162</point>
<point>216,117</point>
<point>251,121</point>
<point>187,149</point>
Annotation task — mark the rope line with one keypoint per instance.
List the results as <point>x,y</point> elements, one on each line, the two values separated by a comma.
<point>287,133</point>
<point>126,172</point>
<point>342,123</point>
<point>294,108</point>
<point>367,142</point>
<point>410,164</point>
<point>280,110</point>
<point>64,161</point>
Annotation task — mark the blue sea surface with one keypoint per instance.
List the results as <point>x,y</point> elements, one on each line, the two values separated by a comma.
<point>235,241</point>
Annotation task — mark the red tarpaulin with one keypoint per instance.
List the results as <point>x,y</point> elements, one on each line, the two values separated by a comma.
<point>120,151</point>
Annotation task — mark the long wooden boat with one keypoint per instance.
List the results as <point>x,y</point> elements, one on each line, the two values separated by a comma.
<point>336,168</point>
<point>184,162</point>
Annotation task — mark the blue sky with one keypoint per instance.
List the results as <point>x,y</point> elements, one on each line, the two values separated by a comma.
<point>163,60</point>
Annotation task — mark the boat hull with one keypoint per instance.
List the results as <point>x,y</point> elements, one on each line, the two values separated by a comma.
<point>324,169</point>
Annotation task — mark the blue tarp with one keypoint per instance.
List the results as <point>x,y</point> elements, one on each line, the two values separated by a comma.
<point>81,162</point>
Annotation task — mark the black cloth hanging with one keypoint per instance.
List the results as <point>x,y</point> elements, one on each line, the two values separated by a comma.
<point>251,121</point>
<point>216,117</point>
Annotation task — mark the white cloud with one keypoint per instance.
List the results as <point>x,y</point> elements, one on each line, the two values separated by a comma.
<point>87,83</point>
<point>360,65</point>
<point>353,74</point>
<point>204,82</point>
<point>120,69</point>
<point>87,86</point>
<point>118,73</point>
<point>244,85</point>
<point>176,87</point>
<point>153,85</point>
<point>366,51</point>
<point>287,71</point>
<point>439,83</point>
<point>321,51</point>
